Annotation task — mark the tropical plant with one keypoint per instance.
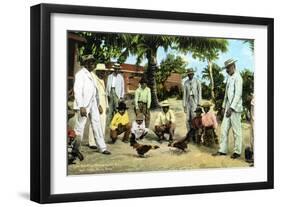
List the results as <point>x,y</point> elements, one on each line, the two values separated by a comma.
<point>251,44</point>
<point>248,88</point>
<point>205,49</point>
<point>219,86</point>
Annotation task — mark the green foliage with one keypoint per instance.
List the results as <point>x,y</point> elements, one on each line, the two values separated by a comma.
<point>206,91</point>
<point>251,44</point>
<point>172,64</point>
<point>103,46</point>
<point>202,48</point>
<point>248,89</point>
<point>219,86</point>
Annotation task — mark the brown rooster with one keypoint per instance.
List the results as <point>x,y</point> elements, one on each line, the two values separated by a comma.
<point>181,144</point>
<point>141,148</point>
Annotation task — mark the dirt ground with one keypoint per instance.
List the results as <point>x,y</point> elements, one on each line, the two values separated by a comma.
<point>124,158</point>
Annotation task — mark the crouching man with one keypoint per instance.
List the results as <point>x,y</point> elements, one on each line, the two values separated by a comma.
<point>165,122</point>
<point>120,124</point>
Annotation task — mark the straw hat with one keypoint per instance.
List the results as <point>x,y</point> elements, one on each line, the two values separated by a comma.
<point>206,104</point>
<point>116,66</point>
<point>229,62</point>
<point>100,66</point>
<point>164,103</point>
<point>190,71</point>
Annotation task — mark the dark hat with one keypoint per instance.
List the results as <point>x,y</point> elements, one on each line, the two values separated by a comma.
<point>86,58</point>
<point>122,106</point>
<point>198,109</point>
<point>143,80</point>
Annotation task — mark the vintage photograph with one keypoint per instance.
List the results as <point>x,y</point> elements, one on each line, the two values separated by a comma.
<point>145,102</point>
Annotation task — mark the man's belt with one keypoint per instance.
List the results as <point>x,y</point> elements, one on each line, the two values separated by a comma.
<point>142,102</point>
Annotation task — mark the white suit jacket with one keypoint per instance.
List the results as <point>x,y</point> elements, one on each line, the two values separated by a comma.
<point>192,87</point>
<point>85,90</point>
<point>119,87</point>
<point>233,92</point>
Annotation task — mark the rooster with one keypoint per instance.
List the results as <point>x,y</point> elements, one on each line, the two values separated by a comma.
<point>141,148</point>
<point>180,144</point>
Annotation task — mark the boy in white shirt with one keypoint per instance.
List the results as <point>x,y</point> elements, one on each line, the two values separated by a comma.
<point>138,130</point>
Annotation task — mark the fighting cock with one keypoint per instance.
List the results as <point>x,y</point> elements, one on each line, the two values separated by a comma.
<point>142,148</point>
<point>181,144</point>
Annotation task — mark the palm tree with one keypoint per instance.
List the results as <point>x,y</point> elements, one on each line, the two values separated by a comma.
<point>145,47</point>
<point>205,49</point>
<point>251,44</point>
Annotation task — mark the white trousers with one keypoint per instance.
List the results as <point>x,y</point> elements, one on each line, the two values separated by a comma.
<point>190,114</point>
<point>234,122</point>
<point>88,128</point>
<point>139,133</point>
<point>96,127</point>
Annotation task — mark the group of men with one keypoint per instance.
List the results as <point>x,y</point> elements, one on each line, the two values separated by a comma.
<point>232,107</point>
<point>102,104</point>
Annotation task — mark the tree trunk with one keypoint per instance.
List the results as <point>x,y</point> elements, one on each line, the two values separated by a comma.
<point>210,65</point>
<point>151,82</point>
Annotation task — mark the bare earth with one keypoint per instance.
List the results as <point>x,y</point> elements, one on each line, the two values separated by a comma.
<point>124,158</point>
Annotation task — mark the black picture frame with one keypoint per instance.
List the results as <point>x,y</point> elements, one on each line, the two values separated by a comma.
<point>41,102</point>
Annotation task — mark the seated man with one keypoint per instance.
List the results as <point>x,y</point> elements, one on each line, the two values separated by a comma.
<point>165,122</point>
<point>209,122</point>
<point>120,123</point>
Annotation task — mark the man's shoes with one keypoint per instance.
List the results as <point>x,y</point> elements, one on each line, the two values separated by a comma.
<point>106,152</point>
<point>219,154</point>
<point>93,147</point>
<point>235,156</point>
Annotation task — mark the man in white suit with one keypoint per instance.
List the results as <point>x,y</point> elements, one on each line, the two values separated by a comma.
<point>232,109</point>
<point>115,90</point>
<point>192,96</point>
<point>98,73</point>
<point>87,103</point>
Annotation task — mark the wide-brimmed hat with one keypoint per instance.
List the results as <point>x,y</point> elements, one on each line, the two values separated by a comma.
<point>87,58</point>
<point>143,80</point>
<point>190,71</point>
<point>206,104</point>
<point>122,106</point>
<point>139,117</point>
<point>100,66</point>
<point>164,103</point>
<point>198,109</point>
<point>116,66</point>
<point>229,62</point>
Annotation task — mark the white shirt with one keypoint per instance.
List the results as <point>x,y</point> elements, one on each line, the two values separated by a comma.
<point>113,81</point>
<point>138,129</point>
<point>119,85</point>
